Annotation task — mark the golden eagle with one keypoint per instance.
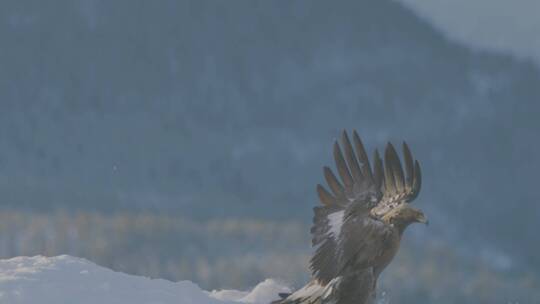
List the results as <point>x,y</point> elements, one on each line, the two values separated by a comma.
<point>358,228</point>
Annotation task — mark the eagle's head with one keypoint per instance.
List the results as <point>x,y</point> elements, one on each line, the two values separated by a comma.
<point>404,215</point>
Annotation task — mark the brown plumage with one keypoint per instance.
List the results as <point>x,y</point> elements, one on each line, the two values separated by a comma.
<point>358,228</point>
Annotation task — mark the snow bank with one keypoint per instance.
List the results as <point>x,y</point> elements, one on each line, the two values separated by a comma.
<point>66,279</point>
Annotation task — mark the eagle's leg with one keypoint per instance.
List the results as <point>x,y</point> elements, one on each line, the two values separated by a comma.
<point>355,287</point>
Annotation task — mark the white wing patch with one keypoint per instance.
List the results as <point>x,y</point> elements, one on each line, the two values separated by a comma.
<point>335,220</point>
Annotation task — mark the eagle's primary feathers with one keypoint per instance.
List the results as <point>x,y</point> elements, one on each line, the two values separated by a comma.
<point>358,228</point>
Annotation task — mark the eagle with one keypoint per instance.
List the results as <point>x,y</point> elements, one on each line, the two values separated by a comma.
<point>357,230</point>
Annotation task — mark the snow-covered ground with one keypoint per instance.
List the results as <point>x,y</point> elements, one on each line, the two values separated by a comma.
<point>66,279</point>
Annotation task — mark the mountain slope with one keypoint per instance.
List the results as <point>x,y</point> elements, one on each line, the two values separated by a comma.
<point>229,109</point>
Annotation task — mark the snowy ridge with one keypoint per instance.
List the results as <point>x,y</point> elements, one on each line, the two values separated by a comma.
<point>66,279</point>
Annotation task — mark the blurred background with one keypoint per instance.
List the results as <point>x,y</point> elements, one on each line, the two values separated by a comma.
<point>184,139</point>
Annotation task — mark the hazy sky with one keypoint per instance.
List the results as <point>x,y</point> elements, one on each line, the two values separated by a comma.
<point>509,26</point>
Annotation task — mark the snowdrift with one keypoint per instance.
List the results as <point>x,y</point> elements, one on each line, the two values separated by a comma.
<point>66,279</point>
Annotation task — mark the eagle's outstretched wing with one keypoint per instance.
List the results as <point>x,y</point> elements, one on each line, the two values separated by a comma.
<point>399,187</point>
<point>347,228</point>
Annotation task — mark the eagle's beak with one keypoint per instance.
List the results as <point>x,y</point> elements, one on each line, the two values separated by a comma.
<point>422,219</point>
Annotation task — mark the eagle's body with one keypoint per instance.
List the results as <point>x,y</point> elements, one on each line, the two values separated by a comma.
<point>391,247</point>
<point>357,231</point>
